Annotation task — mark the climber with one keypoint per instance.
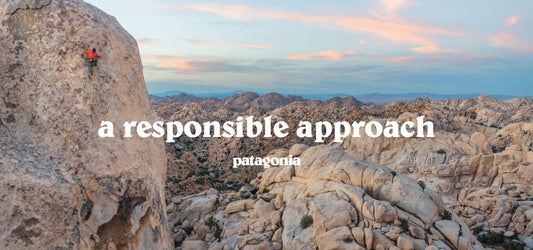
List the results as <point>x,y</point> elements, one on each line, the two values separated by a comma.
<point>92,59</point>
<point>92,56</point>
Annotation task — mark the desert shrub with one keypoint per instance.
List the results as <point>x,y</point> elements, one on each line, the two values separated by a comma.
<point>217,232</point>
<point>491,238</point>
<point>188,230</point>
<point>441,151</point>
<point>306,221</point>
<point>213,225</point>
<point>347,239</point>
<point>393,173</point>
<point>404,224</point>
<point>513,245</point>
<point>478,230</point>
<point>265,190</point>
<point>211,222</point>
<point>497,149</point>
<point>245,195</point>
<point>447,215</point>
<point>422,184</point>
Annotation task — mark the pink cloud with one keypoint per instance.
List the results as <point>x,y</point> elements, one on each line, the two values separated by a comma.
<point>233,11</point>
<point>435,50</point>
<point>169,62</point>
<point>229,44</point>
<point>400,59</point>
<point>393,30</point>
<point>324,55</point>
<point>510,41</point>
<point>512,20</point>
<point>392,5</point>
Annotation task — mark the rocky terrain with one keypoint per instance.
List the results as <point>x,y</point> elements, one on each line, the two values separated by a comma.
<point>331,201</point>
<point>61,185</point>
<point>200,163</point>
<point>479,161</point>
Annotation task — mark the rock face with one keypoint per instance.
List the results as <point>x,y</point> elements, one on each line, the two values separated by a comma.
<point>61,185</point>
<point>331,201</point>
<point>480,161</point>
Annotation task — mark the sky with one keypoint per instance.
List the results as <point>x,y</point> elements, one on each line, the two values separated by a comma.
<point>334,46</point>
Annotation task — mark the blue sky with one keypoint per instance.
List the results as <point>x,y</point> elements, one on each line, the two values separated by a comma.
<point>351,47</point>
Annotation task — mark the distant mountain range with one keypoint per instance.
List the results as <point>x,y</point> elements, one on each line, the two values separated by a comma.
<point>372,97</point>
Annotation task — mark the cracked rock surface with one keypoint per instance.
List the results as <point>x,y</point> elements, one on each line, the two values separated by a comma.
<point>331,201</point>
<point>61,185</point>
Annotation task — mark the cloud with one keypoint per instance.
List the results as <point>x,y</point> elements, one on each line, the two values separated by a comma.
<point>512,20</point>
<point>228,44</point>
<point>233,11</point>
<point>435,50</point>
<point>323,55</point>
<point>170,62</point>
<point>189,65</point>
<point>399,59</point>
<point>393,30</point>
<point>510,41</point>
<point>392,5</point>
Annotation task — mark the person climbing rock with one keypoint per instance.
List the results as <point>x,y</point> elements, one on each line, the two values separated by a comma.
<point>92,56</point>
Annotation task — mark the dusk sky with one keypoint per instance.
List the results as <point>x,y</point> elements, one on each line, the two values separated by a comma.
<point>350,47</point>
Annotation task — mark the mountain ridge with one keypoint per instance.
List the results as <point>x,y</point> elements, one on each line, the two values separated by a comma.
<point>377,98</point>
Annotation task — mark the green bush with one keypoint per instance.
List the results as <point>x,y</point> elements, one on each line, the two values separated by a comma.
<point>491,238</point>
<point>217,232</point>
<point>497,149</point>
<point>393,173</point>
<point>441,151</point>
<point>306,221</point>
<point>447,215</point>
<point>422,184</point>
<point>347,239</point>
<point>188,230</point>
<point>478,230</point>
<point>245,195</point>
<point>513,245</point>
<point>211,222</point>
<point>404,224</point>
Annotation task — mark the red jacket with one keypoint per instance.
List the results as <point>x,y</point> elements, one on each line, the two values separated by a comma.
<point>92,54</point>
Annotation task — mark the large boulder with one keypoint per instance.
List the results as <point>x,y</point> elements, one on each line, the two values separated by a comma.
<point>324,206</point>
<point>61,185</point>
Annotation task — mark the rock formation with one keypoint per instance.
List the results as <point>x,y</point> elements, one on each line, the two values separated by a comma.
<point>196,163</point>
<point>481,160</point>
<point>61,185</point>
<point>331,201</point>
